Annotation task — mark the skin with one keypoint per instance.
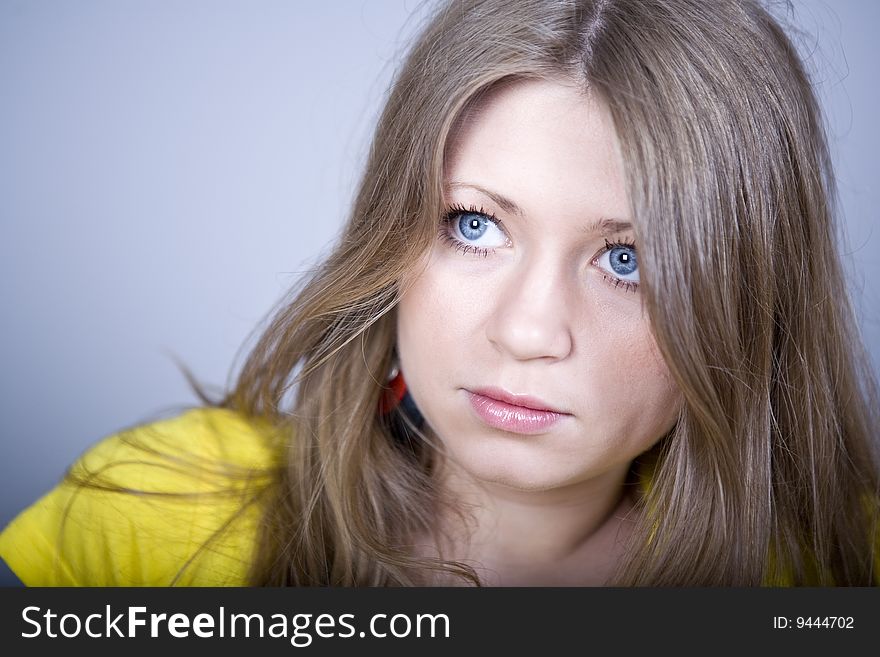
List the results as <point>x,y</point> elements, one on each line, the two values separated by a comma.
<point>539,314</point>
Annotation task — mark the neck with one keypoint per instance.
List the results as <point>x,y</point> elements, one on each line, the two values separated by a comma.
<point>570,535</point>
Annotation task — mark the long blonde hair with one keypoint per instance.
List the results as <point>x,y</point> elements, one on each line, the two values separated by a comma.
<point>770,474</point>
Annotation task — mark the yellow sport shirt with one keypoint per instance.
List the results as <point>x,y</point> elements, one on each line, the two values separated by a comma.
<point>200,467</point>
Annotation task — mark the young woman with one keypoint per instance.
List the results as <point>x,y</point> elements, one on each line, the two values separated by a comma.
<point>586,325</point>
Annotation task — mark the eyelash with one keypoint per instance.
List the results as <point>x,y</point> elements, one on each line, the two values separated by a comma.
<point>453,212</point>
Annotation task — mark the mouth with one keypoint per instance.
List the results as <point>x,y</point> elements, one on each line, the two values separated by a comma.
<point>521,414</point>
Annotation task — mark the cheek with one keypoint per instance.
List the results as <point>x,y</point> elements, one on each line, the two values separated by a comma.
<point>440,307</point>
<point>437,320</point>
<point>646,395</point>
<point>625,387</point>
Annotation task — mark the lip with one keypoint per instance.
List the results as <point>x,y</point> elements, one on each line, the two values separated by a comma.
<point>523,401</point>
<point>522,414</point>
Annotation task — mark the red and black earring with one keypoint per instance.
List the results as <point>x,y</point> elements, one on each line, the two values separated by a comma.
<point>398,406</point>
<point>395,390</point>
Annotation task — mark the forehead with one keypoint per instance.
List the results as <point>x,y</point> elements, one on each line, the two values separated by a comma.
<point>541,142</point>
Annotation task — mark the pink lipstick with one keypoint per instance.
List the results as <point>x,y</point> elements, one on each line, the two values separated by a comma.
<point>515,413</point>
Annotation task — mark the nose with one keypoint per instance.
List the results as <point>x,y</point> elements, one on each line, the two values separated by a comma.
<point>532,318</point>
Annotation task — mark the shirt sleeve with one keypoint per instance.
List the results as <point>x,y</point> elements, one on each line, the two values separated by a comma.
<point>175,502</point>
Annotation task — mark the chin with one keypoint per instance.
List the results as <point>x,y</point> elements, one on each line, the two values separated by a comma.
<point>523,477</point>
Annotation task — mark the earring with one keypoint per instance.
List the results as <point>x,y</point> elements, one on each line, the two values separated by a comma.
<point>396,397</point>
<point>395,389</point>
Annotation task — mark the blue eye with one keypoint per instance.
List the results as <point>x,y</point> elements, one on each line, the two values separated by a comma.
<point>472,230</point>
<point>621,262</point>
<point>473,226</point>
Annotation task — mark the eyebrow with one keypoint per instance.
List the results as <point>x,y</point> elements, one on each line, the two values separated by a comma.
<point>603,226</point>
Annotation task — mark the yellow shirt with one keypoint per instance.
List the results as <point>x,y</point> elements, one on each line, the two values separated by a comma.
<point>81,536</point>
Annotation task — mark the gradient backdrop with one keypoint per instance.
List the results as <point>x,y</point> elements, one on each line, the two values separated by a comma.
<point>166,169</point>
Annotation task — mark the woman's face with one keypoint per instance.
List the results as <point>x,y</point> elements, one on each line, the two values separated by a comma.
<point>529,300</point>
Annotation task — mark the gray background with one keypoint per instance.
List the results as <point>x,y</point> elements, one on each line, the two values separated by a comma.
<point>166,169</point>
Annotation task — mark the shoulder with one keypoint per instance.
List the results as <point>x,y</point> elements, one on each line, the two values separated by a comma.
<point>199,445</point>
<point>176,501</point>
